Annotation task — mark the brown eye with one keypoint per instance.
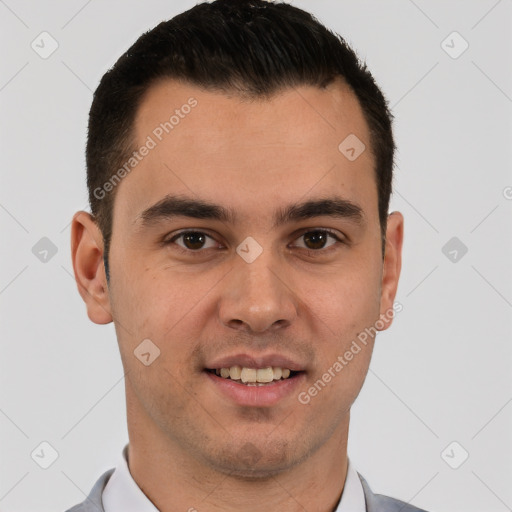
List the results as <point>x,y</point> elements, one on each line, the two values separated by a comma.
<point>315,239</point>
<point>318,239</point>
<point>192,241</point>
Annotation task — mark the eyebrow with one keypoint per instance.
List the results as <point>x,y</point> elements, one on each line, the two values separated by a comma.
<point>171,207</point>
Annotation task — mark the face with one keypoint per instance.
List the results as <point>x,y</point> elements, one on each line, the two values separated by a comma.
<point>246,239</point>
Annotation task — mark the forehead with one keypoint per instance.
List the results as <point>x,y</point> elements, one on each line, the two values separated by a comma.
<point>249,152</point>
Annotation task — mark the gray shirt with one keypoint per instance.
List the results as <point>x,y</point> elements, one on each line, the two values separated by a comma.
<point>374,502</point>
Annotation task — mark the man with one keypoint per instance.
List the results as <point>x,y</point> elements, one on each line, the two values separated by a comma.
<point>239,164</point>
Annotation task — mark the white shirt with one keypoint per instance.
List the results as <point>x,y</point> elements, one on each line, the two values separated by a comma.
<point>122,494</point>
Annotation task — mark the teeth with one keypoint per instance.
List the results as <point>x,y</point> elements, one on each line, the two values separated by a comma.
<point>254,376</point>
<point>249,375</point>
<point>265,374</point>
<point>235,372</point>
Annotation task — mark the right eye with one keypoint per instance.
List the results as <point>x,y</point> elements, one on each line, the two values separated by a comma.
<point>192,242</point>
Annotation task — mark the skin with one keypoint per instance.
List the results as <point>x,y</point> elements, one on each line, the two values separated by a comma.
<point>188,444</point>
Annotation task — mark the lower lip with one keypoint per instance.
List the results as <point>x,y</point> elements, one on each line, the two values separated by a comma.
<point>256,396</point>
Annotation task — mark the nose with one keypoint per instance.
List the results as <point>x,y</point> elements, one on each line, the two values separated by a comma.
<point>256,296</point>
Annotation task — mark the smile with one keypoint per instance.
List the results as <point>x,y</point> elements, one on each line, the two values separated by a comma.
<point>253,376</point>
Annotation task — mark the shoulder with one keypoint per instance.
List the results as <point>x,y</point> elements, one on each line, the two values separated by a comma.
<point>381,503</point>
<point>93,502</point>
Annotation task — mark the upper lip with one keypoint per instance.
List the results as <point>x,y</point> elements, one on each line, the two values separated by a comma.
<point>256,361</point>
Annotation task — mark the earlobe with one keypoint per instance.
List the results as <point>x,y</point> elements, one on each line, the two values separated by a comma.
<point>391,267</point>
<point>88,266</point>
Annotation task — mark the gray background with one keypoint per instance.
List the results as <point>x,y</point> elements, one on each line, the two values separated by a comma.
<point>441,374</point>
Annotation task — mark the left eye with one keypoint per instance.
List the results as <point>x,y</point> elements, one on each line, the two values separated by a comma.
<point>318,239</point>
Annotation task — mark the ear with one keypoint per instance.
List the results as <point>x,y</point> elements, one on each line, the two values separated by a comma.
<point>391,267</point>
<point>87,256</point>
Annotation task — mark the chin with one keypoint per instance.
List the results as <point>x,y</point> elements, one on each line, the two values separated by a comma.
<point>260,471</point>
<point>255,461</point>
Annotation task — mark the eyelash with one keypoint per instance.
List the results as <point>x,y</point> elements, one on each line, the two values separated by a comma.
<point>199,252</point>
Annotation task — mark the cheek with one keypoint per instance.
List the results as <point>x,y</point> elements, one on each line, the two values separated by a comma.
<point>344,307</point>
<point>345,300</point>
<point>167,307</point>
<point>151,301</point>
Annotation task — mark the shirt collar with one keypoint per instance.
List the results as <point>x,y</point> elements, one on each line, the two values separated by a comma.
<point>122,494</point>
<point>352,497</point>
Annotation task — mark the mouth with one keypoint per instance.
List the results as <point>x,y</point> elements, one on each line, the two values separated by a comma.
<point>247,386</point>
<point>256,380</point>
<point>254,376</point>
